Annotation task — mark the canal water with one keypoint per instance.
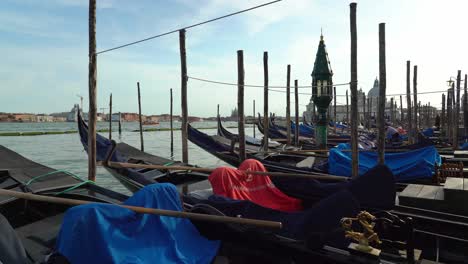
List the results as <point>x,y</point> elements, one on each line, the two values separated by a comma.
<point>65,152</point>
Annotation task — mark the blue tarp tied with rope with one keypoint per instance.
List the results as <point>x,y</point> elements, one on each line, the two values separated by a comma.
<point>405,166</point>
<point>104,233</point>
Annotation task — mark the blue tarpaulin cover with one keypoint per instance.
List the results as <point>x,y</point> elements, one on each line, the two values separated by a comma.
<point>428,132</point>
<point>405,166</point>
<point>464,146</point>
<point>104,233</point>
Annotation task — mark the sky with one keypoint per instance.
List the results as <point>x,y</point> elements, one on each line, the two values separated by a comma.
<point>44,50</point>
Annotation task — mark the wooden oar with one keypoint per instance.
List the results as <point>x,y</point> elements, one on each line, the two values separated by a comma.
<point>144,210</point>
<point>317,176</point>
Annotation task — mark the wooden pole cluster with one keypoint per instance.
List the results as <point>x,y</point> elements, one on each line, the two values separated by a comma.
<point>183,94</point>
<point>415,94</point>
<point>354,96</point>
<point>110,117</point>
<point>370,111</point>
<point>172,123</point>
<point>240,104</point>
<point>296,106</point>
<point>382,91</point>
<point>92,80</point>
<point>288,105</point>
<point>408,102</point>
<point>139,117</point>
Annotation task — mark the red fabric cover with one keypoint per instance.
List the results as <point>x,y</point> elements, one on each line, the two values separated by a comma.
<point>259,189</point>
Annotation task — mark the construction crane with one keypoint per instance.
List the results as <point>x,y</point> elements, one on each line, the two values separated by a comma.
<point>81,97</point>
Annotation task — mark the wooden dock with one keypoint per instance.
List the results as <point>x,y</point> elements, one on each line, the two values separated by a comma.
<point>450,198</point>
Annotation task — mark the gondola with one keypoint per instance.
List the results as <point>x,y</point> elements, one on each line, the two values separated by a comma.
<point>31,227</point>
<point>222,149</point>
<point>134,179</point>
<point>36,224</point>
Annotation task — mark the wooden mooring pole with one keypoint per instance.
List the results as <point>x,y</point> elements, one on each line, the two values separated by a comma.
<point>457,110</point>
<point>465,109</point>
<point>183,95</point>
<point>363,109</point>
<point>415,94</point>
<point>401,110</point>
<point>92,77</point>
<point>253,114</point>
<point>296,112</point>
<point>442,117</point>
<point>353,87</point>
<point>142,145</point>
<point>382,90</point>
<point>334,108</point>
<point>171,121</point>
<point>265,101</point>
<point>449,114</point>
<point>391,110</point>
<point>240,103</point>
<point>120,123</point>
<point>288,105</point>
<point>409,111</point>
<point>110,117</point>
<point>347,108</point>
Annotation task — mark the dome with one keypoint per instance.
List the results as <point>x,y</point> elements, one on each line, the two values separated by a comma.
<point>374,92</point>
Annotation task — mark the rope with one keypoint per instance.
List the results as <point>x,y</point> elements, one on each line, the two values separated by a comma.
<point>261,86</point>
<point>191,26</point>
<point>74,187</point>
<point>83,182</point>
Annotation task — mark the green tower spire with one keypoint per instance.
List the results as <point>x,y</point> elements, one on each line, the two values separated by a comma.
<point>322,85</point>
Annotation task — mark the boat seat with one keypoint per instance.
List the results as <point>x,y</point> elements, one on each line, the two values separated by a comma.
<point>306,163</point>
<point>39,237</point>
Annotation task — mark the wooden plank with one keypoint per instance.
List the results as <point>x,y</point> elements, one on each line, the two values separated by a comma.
<point>429,192</point>
<point>460,154</point>
<point>412,190</point>
<point>453,184</point>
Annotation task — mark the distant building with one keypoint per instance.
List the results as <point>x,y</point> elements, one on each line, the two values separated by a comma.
<point>132,117</point>
<point>59,119</point>
<point>73,114</point>
<point>24,117</point>
<point>44,118</point>
<point>194,119</point>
